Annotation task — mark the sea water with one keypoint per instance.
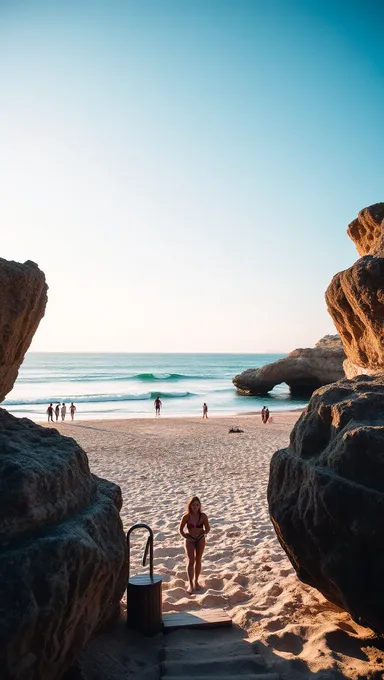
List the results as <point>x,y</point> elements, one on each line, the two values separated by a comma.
<point>126,385</point>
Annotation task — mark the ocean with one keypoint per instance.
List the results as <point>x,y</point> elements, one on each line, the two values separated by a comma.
<point>125,385</point>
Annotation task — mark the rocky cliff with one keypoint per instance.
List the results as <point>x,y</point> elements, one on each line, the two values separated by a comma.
<point>303,370</point>
<point>63,554</point>
<point>326,490</point>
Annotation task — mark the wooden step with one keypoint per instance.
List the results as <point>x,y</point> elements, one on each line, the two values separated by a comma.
<point>204,618</point>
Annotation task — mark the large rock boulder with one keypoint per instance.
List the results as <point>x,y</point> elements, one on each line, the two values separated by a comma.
<point>367,230</point>
<point>355,297</point>
<point>326,497</point>
<point>23,297</point>
<point>303,370</point>
<point>355,300</point>
<point>63,561</point>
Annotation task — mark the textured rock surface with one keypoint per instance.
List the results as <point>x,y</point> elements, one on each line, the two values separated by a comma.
<point>326,497</point>
<point>23,297</point>
<point>367,230</point>
<point>304,370</point>
<point>62,550</point>
<point>351,370</point>
<point>355,300</point>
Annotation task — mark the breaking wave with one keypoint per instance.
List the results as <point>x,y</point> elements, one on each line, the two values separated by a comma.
<point>96,398</point>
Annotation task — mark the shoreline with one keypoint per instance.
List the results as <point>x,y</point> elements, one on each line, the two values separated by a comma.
<point>276,415</point>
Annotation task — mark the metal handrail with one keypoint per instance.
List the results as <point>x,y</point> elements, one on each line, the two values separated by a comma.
<point>149,546</point>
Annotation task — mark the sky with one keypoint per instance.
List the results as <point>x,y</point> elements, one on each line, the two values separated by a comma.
<point>184,171</point>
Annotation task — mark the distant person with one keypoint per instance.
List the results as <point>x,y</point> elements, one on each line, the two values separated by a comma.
<point>266,415</point>
<point>263,414</point>
<point>72,409</point>
<point>57,411</point>
<point>50,412</point>
<point>158,405</point>
<point>63,411</point>
<point>205,411</point>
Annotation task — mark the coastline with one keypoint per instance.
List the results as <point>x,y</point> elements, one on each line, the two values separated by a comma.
<point>283,416</point>
<point>160,462</point>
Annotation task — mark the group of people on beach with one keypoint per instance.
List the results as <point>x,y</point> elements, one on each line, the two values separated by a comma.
<point>60,409</point>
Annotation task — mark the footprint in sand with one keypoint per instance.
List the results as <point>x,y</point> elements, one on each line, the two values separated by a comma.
<point>286,642</point>
<point>174,583</point>
<point>168,552</point>
<point>241,580</point>
<point>213,582</point>
<point>237,595</point>
<point>274,590</point>
<point>276,624</point>
<point>174,593</point>
<point>212,600</point>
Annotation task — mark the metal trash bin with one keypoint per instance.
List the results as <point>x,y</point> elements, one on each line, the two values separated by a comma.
<point>144,595</point>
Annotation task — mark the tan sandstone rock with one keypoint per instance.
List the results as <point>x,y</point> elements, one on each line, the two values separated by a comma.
<point>63,556</point>
<point>23,297</point>
<point>355,300</point>
<point>326,497</point>
<point>367,230</point>
<point>303,370</point>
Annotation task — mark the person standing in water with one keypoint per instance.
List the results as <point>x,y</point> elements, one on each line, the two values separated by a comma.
<point>72,410</point>
<point>198,527</point>
<point>57,411</point>
<point>158,405</point>
<point>50,412</point>
<point>63,412</point>
<point>205,411</point>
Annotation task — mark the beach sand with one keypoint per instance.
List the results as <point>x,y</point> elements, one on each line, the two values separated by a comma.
<point>288,626</point>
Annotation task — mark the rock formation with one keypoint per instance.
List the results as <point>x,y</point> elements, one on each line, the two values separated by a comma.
<point>326,490</point>
<point>23,297</point>
<point>63,558</point>
<point>355,297</point>
<point>304,370</point>
<point>326,494</point>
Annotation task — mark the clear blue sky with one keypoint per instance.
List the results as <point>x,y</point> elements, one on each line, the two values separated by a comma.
<point>184,170</point>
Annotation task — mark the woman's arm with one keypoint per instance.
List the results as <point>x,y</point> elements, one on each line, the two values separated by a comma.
<point>182,525</point>
<point>207,528</point>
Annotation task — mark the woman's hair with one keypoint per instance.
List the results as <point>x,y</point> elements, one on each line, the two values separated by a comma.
<point>192,500</point>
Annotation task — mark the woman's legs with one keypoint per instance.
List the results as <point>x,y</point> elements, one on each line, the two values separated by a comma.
<point>190,554</point>
<point>200,545</point>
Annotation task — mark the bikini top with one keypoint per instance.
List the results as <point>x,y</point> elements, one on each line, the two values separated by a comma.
<point>199,524</point>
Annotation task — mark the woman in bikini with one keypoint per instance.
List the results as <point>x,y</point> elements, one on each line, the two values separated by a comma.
<point>197,528</point>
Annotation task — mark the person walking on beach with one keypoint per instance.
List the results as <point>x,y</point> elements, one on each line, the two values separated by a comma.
<point>158,405</point>
<point>198,527</point>
<point>72,409</point>
<point>263,414</point>
<point>50,412</point>
<point>57,411</point>
<point>266,415</point>
<point>205,411</point>
<point>63,412</point>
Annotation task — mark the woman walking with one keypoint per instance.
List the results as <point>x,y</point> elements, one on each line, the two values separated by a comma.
<point>197,528</point>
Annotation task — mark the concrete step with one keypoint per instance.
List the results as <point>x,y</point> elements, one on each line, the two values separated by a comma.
<point>208,651</point>
<point>217,666</point>
<point>259,676</point>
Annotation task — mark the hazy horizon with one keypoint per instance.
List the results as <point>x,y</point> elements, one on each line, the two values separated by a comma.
<point>184,173</point>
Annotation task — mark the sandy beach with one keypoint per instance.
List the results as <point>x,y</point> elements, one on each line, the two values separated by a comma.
<point>159,463</point>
